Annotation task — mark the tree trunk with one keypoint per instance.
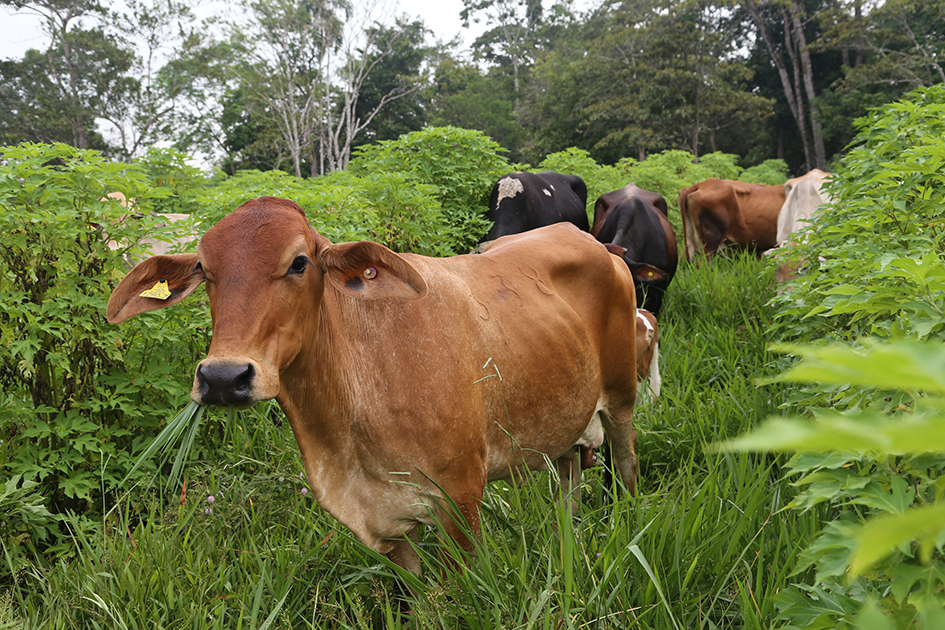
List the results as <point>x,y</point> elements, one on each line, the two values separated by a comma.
<point>792,96</point>
<point>817,134</point>
<point>695,128</point>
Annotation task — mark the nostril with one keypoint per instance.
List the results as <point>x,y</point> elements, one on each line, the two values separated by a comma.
<point>225,383</point>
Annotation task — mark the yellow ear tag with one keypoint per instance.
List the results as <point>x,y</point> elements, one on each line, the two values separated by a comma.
<point>159,291</point>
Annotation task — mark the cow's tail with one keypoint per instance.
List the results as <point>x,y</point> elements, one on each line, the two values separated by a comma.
<point>690,232</point>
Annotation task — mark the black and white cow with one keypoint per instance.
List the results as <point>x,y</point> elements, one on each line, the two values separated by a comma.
<point>524,201</point>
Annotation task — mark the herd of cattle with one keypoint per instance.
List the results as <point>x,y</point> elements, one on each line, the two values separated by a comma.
<point>410,382</point>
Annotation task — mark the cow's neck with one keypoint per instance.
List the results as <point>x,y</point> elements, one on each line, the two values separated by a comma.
<point>316,399</point>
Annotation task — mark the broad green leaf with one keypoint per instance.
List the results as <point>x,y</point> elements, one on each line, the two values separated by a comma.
<point>869,432</point>
<point>884,534</point>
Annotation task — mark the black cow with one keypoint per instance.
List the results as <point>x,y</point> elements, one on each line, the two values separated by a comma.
<point>524,201</point>
<point>632,223</point>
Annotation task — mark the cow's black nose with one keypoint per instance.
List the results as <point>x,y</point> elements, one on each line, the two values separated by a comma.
<point>225,384</point>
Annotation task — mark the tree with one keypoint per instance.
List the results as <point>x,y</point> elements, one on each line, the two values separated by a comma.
<point>301,66</point>
<point>395,71</point>
<point>282,48</point>
<point>513,33</point>
<point>462,96</point>
<point>364,47</point>
<point>150,109</point>
<point>82,71</point>
<point>91,74</point>
<point>793,62</point>
<point>659,75</point>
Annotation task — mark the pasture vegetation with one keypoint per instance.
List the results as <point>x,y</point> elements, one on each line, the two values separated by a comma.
<point>717,538</point>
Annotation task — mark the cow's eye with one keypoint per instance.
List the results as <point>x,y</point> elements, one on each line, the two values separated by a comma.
<point>298,265</point>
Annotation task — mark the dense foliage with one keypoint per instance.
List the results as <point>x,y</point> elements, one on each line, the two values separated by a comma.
<point>298,86</point>
<point>875,281</point>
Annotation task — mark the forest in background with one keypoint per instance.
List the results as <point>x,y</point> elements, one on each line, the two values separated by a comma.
<point>298,85</point>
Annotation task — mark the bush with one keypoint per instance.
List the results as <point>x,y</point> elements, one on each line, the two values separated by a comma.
<point>461,165</point>
<point>389,208</point>
<point>768,173</point>
<point>80,396</point>
<point>24,523</point>
<point>870,440</point>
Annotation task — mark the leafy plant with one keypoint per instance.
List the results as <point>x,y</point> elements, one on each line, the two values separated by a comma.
<point>768,173</point>
<point>460,164</point>
<point>869,436</point>
<point>79,395</point>
<point>25,523</point>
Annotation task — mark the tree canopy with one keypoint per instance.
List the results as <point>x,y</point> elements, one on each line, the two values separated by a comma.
<point>297,85</point>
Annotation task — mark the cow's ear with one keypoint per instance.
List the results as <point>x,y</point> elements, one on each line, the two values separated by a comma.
<point>646,274</point>
<point>154,283</point>
<point>615,249</point>
<point>371,271</point>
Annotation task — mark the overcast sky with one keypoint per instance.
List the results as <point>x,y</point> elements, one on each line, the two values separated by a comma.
<point>21,31</point>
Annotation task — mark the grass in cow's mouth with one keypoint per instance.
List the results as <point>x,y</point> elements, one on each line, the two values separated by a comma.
<point>185,423</point>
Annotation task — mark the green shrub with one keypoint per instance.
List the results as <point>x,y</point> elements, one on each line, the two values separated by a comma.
<point>389,208</point>
<point>80,397</point>
<point>769,173</point>
<point>869,434</point>
<point>24,523</point>
<point>669,172</point>
<point>169,170</point>
<point>460,164</point>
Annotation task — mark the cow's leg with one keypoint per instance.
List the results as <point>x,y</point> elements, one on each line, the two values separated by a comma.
<point>618,427</point>
<point>458,519</point>
<point>569,476</point>
<point>712,231</point>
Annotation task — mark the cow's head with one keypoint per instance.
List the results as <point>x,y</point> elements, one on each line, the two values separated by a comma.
<point>265,269</point>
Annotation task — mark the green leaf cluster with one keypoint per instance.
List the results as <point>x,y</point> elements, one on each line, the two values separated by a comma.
<point>460,166</point>
<point>23,519</point>
<point>79,397</point>
<point>870,434</point>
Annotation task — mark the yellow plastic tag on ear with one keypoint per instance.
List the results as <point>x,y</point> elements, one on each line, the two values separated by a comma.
<point>158,291</point>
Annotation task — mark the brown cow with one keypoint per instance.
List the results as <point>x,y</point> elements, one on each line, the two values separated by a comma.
<point>406,377</point>
<point>720,212</point>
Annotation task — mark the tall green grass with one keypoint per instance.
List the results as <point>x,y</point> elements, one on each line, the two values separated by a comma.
<point>705,544</point>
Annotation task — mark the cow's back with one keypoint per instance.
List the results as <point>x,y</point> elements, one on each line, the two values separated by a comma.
<point>525,201</point>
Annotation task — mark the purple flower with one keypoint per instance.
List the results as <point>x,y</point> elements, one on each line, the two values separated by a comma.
<point>210,499</point>
<point>304,490</point>
<point>208,511</point>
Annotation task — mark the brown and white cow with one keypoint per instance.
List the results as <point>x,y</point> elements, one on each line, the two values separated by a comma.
<point>648,355</point>
<point>648,380</point>
<point>406,377</point>
<point>720,212</point>
<point>633,224</point>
